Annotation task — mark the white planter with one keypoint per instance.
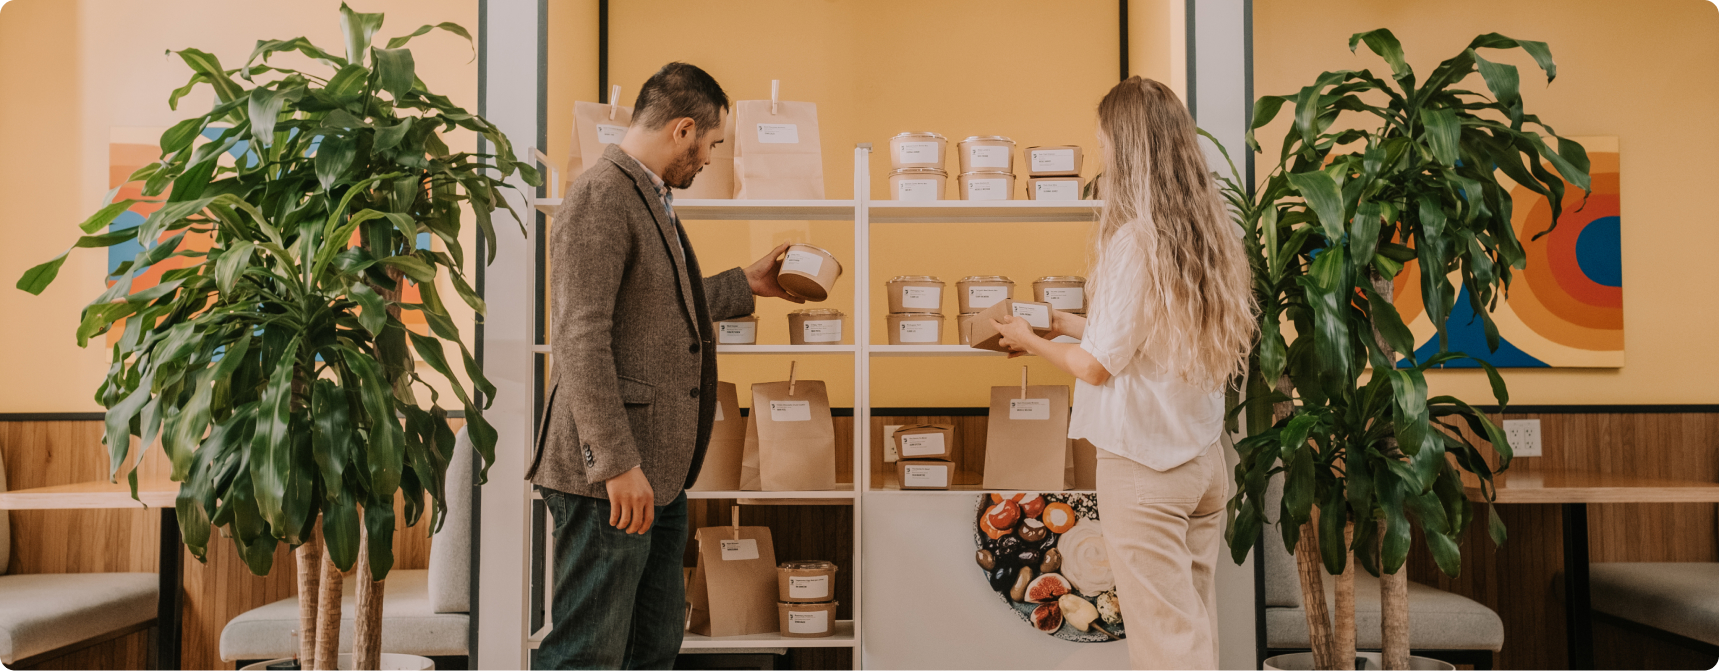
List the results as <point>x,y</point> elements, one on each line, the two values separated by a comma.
<point>1303,661</point>
<point>390,662</point>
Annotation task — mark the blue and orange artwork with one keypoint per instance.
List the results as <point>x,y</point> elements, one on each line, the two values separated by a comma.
<point>1565,309</point>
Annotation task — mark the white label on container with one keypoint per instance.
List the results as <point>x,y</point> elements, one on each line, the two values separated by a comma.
<point>719,411</point>
<point>920,331</point>
<point>1065,298</point>
<point>822,330</point>
<point>740,550</point>
<point>808,587</point>
<point>607,134</point>
<point>921,444</point>
<point>803,261</point>
<point>1053,160</point>
<point>927,298</point>
<point>812,622</point>
<point>987,189</point>
<point>916,189</point>
<point>790,411</point>
<point>1062,189</point>
<point>737,333</point>
<point>987,157</point>
<point>1029,408</point>
<point>925,476</point>
<point>984,297</point>
<point>1037,316</point>
<point>919,152</point>
<point>778,133</point>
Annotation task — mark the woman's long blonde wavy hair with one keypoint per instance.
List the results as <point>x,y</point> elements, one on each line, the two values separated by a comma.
<point>1200,312</point>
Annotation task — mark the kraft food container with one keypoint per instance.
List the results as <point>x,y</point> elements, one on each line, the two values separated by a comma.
<point>987,153</point>
<point>977,292</point>
<point>809,272</point>
<point>737,331</point>
<point>1053,161</point>
<point>925,441</point>
<point>1063,292</point>
<point>913,184</point>
<point>915,328</point>
<point>915,293</point>
<point>808,620</point>
<point>815,326</point>
<point>1053,188</point>
<point>986,186</point>
<point>964,327</point>
<point>924,473</point>
<point>806,581</point>
<point>917,150</point>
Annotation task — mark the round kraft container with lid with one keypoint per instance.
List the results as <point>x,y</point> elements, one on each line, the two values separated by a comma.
<point>915,328</point>
<point>1053,161</point>
<point>986,186</point>
<point>1063,292</point>
<point>915,293</point>
<point>737,331</point>
<point>917,183</point>
<point>1053,188</point>
<point>807,620</point>
<point>809,272</point>
<point>917,150</point>
<point>806,581</point>
<point>815,326</point>
<point>987,153</point>
<point>977,292</point>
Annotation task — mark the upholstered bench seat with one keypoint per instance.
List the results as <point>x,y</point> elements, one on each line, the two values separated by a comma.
<point>1682,598</point>
<point>1438,620</point>
<point>409,624</point>
<point>47,611</point>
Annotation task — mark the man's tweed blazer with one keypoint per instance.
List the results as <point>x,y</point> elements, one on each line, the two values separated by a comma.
<point>634,349</point>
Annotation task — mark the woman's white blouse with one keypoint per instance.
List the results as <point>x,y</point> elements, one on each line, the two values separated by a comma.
<point>1140,413</point>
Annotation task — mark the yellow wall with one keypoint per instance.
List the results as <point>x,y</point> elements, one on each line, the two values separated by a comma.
<point>1642,71</point>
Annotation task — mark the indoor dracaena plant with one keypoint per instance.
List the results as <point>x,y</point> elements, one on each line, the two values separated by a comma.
<point>1373,175</point>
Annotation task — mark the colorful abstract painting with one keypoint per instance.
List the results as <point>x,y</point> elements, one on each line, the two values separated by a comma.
<point>1565,309</point>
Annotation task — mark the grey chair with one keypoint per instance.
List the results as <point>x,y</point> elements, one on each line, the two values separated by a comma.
<point>48,615</point>
<point>424,612</point>
<point>1442,625</point>
<point>1673,602</point>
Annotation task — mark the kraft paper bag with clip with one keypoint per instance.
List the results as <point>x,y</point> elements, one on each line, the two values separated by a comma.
<point>790,438</point>
<point>715,180</point>
<point>1026,440</point>
<point>721,471</point>
<point>776,150</point>
<point>733,589</point>
<point>594,126</point>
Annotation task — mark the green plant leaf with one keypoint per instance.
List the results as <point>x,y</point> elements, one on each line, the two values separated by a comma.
<point>1444,134</point>
<point>1385,44</point>
<point>425,29</point>
<point>332,440</point>
<point>1502,79</point>
<point>1390,323</point>
<point>271,447</point>
<point>37,278</point>
<point>385,448</point>
<point>347,85</point>
<point>394,70</point>
<point>358,29</point>
<point>414,267</point>
<point>340,527</point>
<point>208,68</point>
<point>379,524</point>
<point>232,264</point>
<point>1324,197</point>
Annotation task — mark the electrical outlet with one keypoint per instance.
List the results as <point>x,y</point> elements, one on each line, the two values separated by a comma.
<point>1524,436</point>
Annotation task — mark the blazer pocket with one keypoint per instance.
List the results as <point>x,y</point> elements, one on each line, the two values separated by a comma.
<point>637,392</point>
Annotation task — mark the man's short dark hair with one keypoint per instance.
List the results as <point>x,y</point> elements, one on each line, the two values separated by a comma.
<point>677,91</point>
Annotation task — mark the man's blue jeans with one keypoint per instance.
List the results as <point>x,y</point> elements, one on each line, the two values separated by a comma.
<point>620,599</point>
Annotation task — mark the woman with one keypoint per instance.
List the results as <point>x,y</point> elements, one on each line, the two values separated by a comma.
<point>1170,320</point>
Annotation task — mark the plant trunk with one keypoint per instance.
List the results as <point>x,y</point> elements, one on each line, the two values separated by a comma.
<point>1345,620</point>
<point>1393,587</point>
<point>309,556</point>
<point>328,617</point>
<point>367,625</point>
<point>1308,566</point>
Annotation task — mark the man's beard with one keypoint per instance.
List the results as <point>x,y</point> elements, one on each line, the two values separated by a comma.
<point>679,174</point>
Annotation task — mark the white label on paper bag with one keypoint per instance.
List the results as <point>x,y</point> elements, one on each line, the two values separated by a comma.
<point>916,189</point>
<point>925,476</point>
<point>1053,160</point>
<point>719,411</point>
<point>987,157</point>
<point>928,298</point>
<point>822,330</point>
<point>923,331</point>
<point>737,333</point>
<point>987,189</point>
<point>808,587</point>
<point>740,550</point>
<point>1058,190</point>
<point>778,133</point>
<point>790,411</point>
<point>1065,298</point>
<point>803,261</point>
<point>921,444</point>
<point>1029,408</point>
<point>607,134</point>
<point>1037,316</point>
<point>813,622</point>
<point>984,297</point>
<point>919,152</point>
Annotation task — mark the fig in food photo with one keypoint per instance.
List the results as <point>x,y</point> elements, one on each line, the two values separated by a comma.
<point>1047,588</point>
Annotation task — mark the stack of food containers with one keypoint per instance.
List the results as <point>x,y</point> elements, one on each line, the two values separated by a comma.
<point>924,456</point>
<point>807,598</point>
<point>915,310</point>
<point>1053,173</point>
<point>918,162</point>
<point>987,168</point>
<point>978,292</point>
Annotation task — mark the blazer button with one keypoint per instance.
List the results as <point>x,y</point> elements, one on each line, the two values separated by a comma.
<point>693,348</point>
<point>693,392</point>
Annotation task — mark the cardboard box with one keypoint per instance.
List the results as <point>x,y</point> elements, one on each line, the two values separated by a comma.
<point>925,441</point>
<point>924,473</point>
<point>982,335</point>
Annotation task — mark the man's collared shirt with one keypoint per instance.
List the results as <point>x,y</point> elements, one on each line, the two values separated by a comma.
<point>667,196</point>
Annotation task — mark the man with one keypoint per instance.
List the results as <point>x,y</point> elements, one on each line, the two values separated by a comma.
<point>630,412</point>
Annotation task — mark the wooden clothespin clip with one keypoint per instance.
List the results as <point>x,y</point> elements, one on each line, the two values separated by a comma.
<point>791,365</point>
<point>775,94</point>
<point>1023,382</point>
<point>614,100</point>
<point>735,527</point>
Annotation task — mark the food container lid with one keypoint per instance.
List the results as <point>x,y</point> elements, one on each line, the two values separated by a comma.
<point>916,315</point>
<point>987,173</point>
<point>987,278</point>
<point>988,138</point>
<point>929,134</point>
<point>1054,146</point>
<point>919,171</point>
<point>916,278</point>
<point>740,318</point>
<point>818,312</point>
<point>1061,278</point>
<point>808,245</point>
<point>808,564</point>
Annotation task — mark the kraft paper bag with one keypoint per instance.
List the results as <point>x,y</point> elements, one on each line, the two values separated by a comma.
<point>776,151</point>
<point>595,126</point>
<point>733,589</point>
<point>1026,439</point>
<point>790,439</point>
<point>722,458</point>
<point>1083,460</point>
<point>716,179</point>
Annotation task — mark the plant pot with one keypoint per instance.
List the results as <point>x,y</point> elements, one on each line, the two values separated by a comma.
<point>1303,661</point>
<point>390,662</point>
